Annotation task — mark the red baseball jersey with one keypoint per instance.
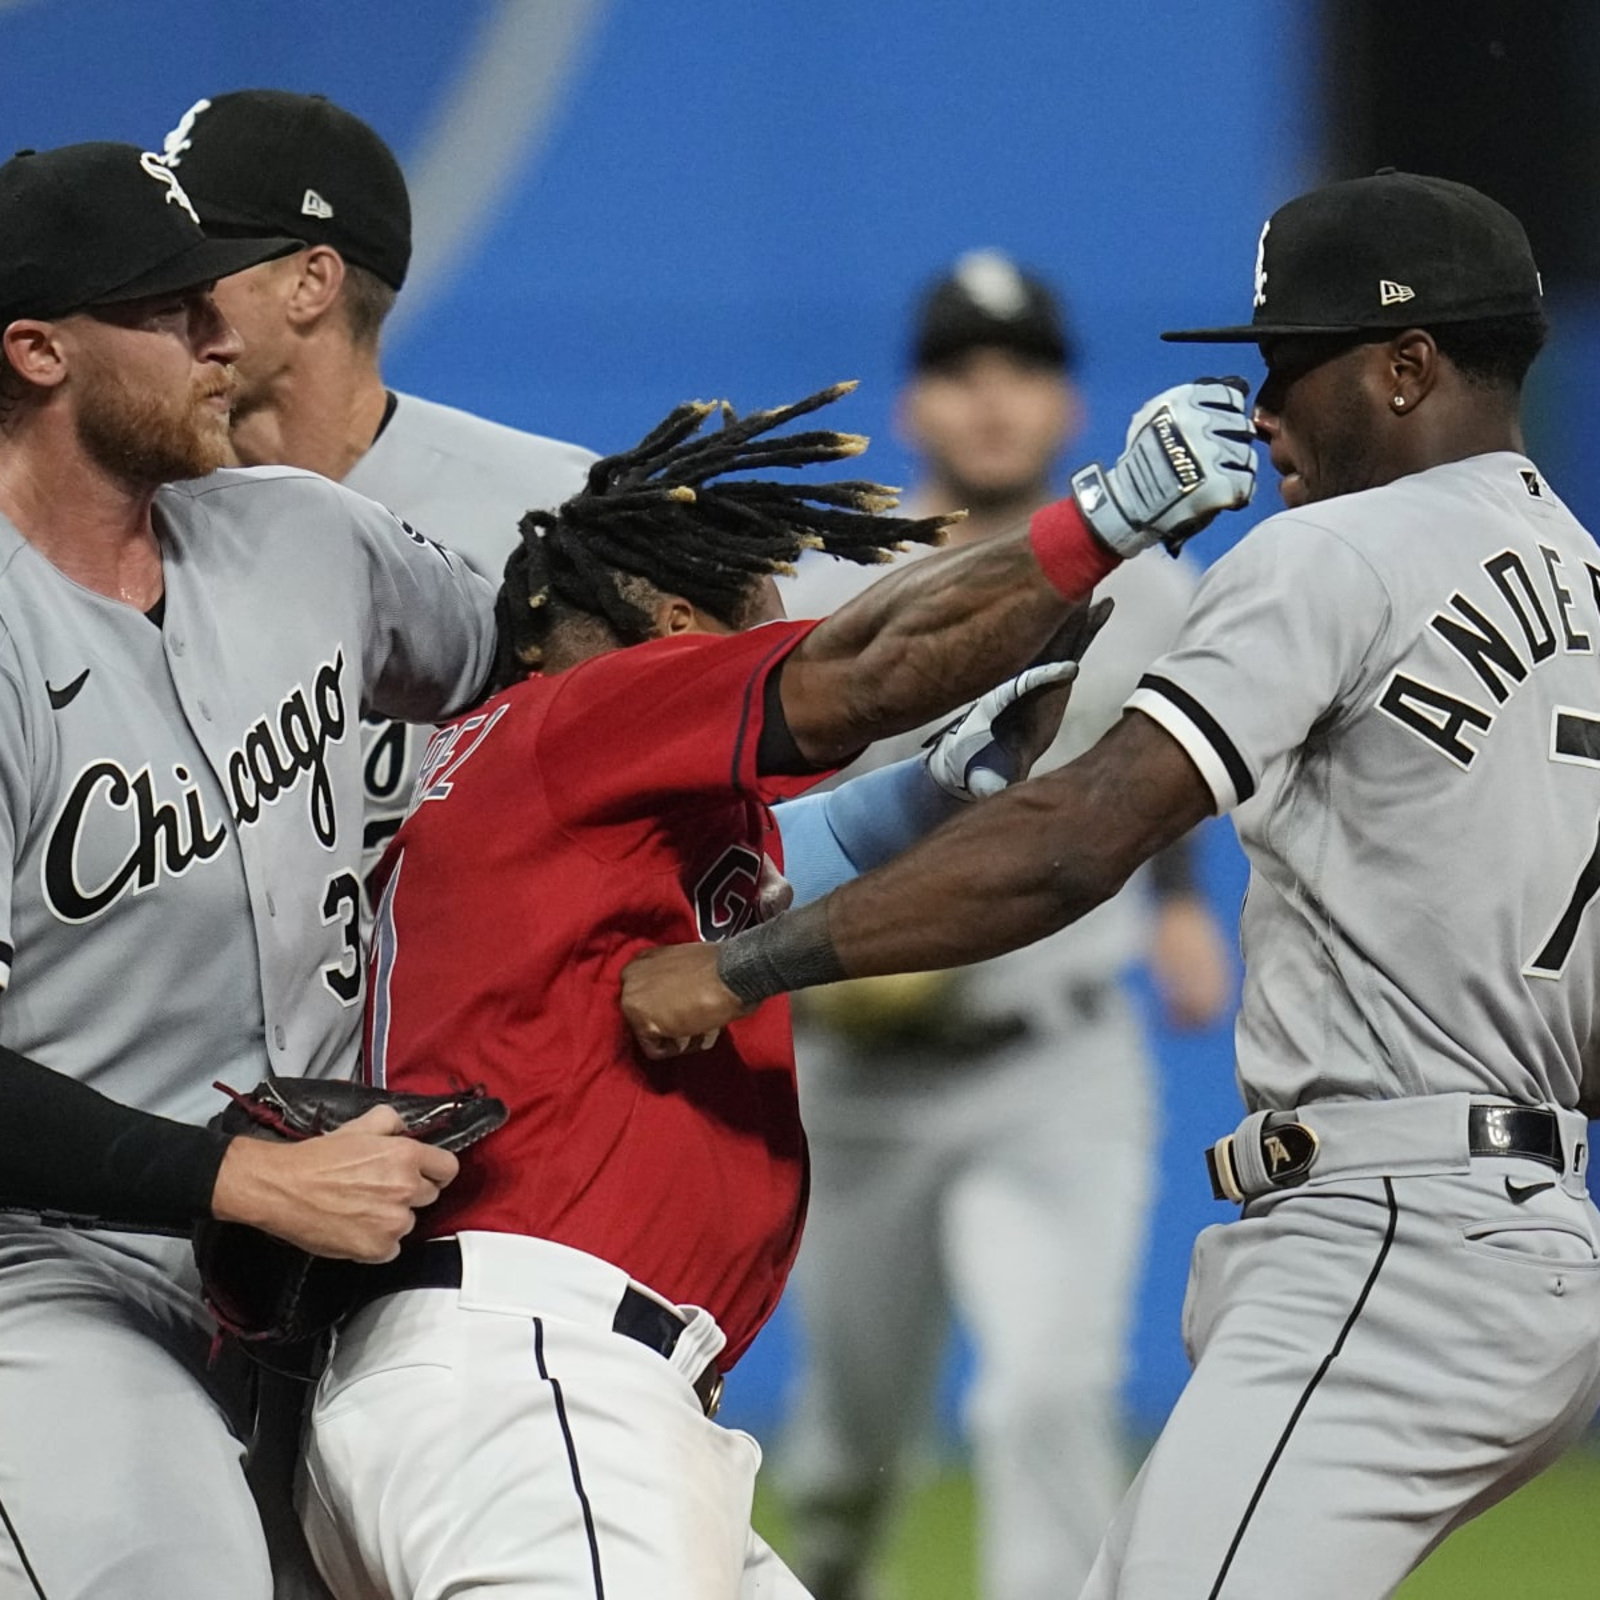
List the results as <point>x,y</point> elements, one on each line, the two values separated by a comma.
<point>557,831</point>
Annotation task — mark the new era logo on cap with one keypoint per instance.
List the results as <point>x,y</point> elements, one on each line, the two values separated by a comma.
<point>1391,293</point>
<point>315,206</point>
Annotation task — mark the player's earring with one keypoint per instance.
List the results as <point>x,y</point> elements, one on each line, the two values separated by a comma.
<point>1399,402</point>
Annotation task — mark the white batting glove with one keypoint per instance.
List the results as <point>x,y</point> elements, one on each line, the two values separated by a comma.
<point>1189,455</point>
<point>972,758</point>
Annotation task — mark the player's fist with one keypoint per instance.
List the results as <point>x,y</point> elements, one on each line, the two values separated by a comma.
<point>351,1194</point>
<point>675,1002</point>
<point>1189,454</point>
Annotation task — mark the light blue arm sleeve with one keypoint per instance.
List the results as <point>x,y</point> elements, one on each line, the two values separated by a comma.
<point>831,838</point>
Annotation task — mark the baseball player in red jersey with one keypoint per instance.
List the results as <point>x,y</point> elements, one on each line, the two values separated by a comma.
<point>527,1397</point>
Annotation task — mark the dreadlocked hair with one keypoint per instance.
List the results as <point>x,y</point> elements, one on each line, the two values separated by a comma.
<point>666,518</point>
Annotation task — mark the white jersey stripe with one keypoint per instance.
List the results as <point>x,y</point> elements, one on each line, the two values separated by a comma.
<point>1156,699</point>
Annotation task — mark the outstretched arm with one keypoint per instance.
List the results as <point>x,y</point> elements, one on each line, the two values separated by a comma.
<point>831,837</point>
<point>1005,873</point>
<point>945,629</point>
<point>1028,862</point>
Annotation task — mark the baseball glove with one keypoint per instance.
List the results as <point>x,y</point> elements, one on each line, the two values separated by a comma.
<point>265,1291</point>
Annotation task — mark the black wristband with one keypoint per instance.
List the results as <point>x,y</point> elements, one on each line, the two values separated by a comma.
<point>790,952</point>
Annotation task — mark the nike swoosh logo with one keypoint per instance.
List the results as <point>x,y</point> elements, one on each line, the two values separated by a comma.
<point>65,695</point>
<point>1521,1191</point>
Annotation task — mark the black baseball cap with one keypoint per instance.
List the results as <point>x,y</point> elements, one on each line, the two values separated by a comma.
<point>267,160</point>
<point>1396,250</point>
<point>987,299</point>
<point>95,224</point>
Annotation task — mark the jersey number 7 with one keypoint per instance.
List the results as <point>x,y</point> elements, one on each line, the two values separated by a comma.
<point>1574,738</point>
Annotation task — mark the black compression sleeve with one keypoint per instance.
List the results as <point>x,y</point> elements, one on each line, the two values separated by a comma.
<point>71,1155</point>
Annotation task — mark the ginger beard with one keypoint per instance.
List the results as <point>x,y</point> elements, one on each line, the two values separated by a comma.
<point>149,435</point>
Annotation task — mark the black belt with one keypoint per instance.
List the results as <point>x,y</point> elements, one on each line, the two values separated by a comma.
<point>436,1264</point>
<point>1289,1148</point>
<point>1528,1131</point>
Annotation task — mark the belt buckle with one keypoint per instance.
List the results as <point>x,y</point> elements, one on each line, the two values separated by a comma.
<point>711,1393</point>
<point>1287,1150</point>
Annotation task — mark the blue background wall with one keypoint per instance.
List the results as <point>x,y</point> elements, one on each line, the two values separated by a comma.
<point>624,204</point>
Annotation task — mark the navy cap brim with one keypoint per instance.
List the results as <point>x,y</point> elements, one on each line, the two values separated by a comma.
<point>203,262</point>
<point>1255,332</point>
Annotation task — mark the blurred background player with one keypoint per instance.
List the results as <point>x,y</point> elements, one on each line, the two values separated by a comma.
<point>311,390</point>
<point>982,1140</point>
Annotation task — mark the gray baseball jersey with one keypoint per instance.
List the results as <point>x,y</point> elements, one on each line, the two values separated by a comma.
<point>1401,684</point>
<point>467,482</point>
<point>182,804</point>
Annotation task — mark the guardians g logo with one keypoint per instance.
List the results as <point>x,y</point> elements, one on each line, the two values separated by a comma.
<point>743,886</point>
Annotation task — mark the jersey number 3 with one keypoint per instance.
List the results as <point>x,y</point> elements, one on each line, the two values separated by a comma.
<point>1575,739</point>
<point>341,902</point>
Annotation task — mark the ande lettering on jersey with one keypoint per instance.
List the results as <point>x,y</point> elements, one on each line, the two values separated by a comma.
<point>170,837</point>
<point>1525,621</point>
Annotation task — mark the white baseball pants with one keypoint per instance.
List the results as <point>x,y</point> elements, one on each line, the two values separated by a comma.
<point>501,1437</point>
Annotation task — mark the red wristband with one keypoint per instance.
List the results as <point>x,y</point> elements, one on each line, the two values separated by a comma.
<point>1065,547</point>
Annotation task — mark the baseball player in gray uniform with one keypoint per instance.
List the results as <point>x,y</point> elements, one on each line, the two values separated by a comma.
<point>183,655</point>
<point>311,391</point>
<point>983,1140</point>
<point>1392,685</point>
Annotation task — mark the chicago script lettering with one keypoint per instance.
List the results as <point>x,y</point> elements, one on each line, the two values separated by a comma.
<point>273,754</point>
<point>165,839</point>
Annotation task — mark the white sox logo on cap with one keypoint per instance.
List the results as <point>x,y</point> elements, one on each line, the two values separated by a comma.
<point>176,142</point>
<point>1261,264</point>
<point>151,163</point>
<point>992,283</point>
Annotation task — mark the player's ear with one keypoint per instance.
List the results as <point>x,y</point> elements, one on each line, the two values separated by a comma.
<point>35,353</point>
<point>673,614</point>
<point>1412,367</point>
<point>318,284</point>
